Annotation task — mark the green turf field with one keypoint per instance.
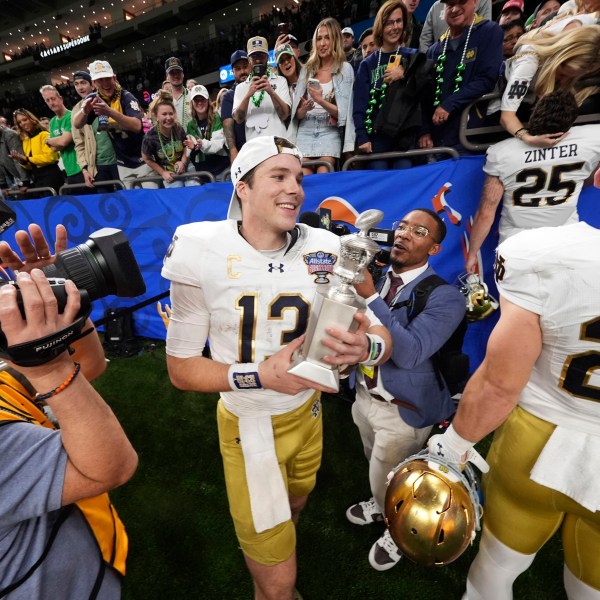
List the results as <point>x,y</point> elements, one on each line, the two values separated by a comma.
<point>182,543</point>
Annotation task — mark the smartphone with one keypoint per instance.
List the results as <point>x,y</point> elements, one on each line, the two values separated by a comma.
<point>395,60</point>
<point>283,28</point>
<point>314,83</point>
<point>259,70</point>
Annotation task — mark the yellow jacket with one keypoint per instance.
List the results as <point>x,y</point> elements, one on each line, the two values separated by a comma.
<point>38,153</point>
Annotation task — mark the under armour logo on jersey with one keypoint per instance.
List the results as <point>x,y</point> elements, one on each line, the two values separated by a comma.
<point>518,89</point>
<point>273,267</point>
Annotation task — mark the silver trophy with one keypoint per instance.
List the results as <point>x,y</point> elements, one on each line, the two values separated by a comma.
<point>336,306</point>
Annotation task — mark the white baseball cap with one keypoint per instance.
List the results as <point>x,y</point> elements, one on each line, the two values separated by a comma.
<point>348,30</point>
<point>99,69</point>
<point>199,90</point>
<point>253,153</point>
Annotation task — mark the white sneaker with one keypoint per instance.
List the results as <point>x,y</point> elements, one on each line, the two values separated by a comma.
<point>364,513</point>
<point>384,553</point>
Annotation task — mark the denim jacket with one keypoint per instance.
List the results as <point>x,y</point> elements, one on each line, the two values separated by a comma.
<point>343,82</point>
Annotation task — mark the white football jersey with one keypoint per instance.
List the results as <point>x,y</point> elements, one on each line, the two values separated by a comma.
<point>542,185</point>
<point>555,272</point>
<point>257,302</point>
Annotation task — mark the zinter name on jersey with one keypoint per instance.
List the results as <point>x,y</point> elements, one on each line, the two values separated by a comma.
<point>554,152</point>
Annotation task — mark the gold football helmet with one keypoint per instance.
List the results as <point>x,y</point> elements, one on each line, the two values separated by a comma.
<point>480,303</point>
<point>432,509</point>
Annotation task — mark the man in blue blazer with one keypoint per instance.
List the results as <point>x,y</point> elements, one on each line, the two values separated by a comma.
<point>398,402</point>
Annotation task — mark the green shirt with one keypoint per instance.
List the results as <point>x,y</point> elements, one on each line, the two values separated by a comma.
<point>69,156</point>
<point>105,151</point>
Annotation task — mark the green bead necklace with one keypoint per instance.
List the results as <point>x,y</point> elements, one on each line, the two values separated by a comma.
<point>257,100</point>
<point>168,155</point>
<point>441,65</point>
<point>376,98</point>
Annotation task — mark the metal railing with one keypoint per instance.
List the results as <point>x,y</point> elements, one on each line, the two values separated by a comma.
<point>136,182</point>
<point>496,131</point>
<point>393,155</point>
<point>319,163</point>
<point>15,193</point>
<point>71,186</point>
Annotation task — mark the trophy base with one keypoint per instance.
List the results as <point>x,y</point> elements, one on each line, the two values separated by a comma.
<point>316,373</point>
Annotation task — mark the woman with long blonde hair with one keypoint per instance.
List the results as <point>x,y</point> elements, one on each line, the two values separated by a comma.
<point>543,63</point>
<point>322,106</point>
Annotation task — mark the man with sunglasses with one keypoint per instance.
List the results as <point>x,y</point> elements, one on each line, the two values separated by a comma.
<point>398,402</point>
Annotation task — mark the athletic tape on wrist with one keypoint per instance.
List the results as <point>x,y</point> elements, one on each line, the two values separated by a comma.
<point>244,377</point>
<point>455,442</point>
<point>376,350</point>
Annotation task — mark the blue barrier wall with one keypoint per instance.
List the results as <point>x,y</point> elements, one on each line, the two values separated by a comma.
<point>149,218</point>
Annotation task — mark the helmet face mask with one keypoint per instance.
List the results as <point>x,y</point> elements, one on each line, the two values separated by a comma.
<point>432,510</point>
<point>480,303</point>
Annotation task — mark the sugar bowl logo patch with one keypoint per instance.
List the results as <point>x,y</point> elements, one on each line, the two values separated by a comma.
<point>320,264</point>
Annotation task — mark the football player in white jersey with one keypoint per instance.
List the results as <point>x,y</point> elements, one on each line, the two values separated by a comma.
<point>247,285</point>
<point>538,187</point>
<point>539,384</point>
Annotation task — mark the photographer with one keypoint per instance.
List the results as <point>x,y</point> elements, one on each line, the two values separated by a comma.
<point>263,101</point>
<point>59,535</point>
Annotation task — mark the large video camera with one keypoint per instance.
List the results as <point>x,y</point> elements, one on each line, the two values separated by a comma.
<point>103,265</point>
<point>384,237</point>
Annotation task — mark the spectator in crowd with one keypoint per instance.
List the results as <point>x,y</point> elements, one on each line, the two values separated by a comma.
<point>543,10</point>
<point>37,157</point>
<point>162,149</point>
<point>61,138</point>
<point>167,86</point>
<point>3,122</point>
<point>353,55</point>
<point>537,388</point>
<point>235,133</point>
<point>513,10</point>
<point>117,111</point>
<point>262,102</point>
<point>537,188</point>
<point>413,28</point>
<point>219,100</point>
<point>55,537</point>
<point>270,424</point>
<point>174,71</point>
<point>375,74</point>
<point>45,123</point>
<point>12,174</point>
<point>543,62</point>
<point>95,153</point>
<point>205,136</point>
<point>292,40</point>
<point>366,43</point>
<point>322,111</point>
<point>512,30</point>
<point>435,22</point>
<point>398,402</point>
<point>288,66</point>
<point>468,60</point>
<point>190,83</point>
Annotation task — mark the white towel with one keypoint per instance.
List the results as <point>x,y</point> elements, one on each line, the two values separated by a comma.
<point>269,500</point>
<point>568,464</point>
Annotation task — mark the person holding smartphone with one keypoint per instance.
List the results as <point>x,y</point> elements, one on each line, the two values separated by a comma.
<point>262,102</point>
<point>375,74</point>
<point>322,110</point>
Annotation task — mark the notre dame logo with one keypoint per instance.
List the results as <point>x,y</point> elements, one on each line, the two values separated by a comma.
<point>471,55</point>
<point>499,268</point>
<point>518,89</point>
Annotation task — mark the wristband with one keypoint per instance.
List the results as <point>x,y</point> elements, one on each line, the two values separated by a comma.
<point>376,350</point>
<point>244,376</point>
<point>63,386</point>
<point>519,133</point>
<point>455,442</point>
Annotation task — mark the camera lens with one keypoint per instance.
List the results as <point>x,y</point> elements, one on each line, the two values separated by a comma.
<point>103,265</point>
